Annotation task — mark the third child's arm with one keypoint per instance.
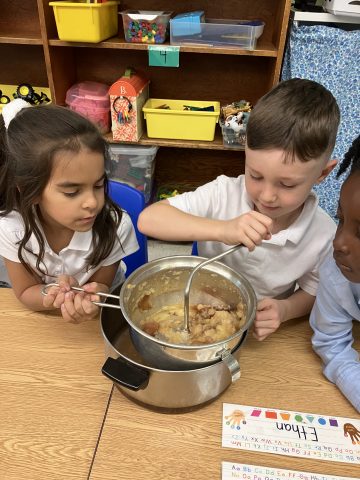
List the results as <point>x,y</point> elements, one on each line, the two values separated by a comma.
<point>162,220</point>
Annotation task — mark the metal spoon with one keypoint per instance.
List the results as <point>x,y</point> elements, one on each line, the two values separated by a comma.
<point>188,285</point>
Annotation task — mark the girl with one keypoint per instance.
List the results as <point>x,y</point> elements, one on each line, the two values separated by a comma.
<point>57,222</point>
<point>338,298</point>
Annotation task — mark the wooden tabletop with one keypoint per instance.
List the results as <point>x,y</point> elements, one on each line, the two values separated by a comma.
<point>60,418</point>
<point>53,397</point>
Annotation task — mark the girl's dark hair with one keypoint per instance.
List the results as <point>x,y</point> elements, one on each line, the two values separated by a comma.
<point>298,116</point>
<point>351,159</point>
<point>27,151</point>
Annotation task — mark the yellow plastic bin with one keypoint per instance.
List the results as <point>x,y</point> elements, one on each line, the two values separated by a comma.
<point>86,22</point>
<point>168,119</point>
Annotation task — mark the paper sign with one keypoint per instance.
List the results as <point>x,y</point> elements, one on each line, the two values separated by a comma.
<point>163,56</point>
<point>296,434</point>
<point>254,472</point>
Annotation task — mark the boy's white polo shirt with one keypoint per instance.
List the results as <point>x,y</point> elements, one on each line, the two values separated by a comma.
<point>72,259</point>
<point>291,257</point>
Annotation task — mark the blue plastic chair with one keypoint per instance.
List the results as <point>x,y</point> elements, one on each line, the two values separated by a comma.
<point>133,201</point>
<point>194,249</point>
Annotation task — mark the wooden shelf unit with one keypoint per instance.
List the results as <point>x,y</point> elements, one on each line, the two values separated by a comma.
<point>34,54</point>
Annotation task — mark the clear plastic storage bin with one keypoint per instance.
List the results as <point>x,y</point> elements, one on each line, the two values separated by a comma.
<point>143,26</point>
<point>239,33</point>
<point>133,165</point>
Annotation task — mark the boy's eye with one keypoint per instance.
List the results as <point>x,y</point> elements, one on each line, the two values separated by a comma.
<point>100,186</point>
<point>254,177</point>
<point>287,186</point>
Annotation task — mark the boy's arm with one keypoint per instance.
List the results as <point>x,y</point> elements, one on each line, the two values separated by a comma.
<point>332,341</point>
<point>162,220</point>
<point>271,313</point>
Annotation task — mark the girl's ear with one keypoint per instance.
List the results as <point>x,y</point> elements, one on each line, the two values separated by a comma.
<point>328,168</point>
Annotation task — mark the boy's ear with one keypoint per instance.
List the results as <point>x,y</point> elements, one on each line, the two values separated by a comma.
<point>328,168</point>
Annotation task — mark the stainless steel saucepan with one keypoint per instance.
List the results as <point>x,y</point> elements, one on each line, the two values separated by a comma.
<point>162,283</point>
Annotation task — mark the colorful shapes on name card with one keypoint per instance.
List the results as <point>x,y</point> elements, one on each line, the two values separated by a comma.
<point>286,416</point>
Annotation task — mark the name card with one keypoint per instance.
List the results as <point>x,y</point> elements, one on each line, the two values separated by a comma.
<point>296,434</point>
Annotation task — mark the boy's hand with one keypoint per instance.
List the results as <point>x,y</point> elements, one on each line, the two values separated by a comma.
<point>250,229</point>
<point>269,316</point>
<point>78,307</point>
<point>56,295</point>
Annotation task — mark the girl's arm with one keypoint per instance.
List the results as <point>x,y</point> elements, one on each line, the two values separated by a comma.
<point>26,286</point>
<point>162,220</point>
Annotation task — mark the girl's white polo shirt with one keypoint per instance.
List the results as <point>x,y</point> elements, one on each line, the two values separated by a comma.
<point>72,259</point>
<point>291,257</point>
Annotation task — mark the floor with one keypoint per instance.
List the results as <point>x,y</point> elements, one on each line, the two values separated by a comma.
<point>158,248</point>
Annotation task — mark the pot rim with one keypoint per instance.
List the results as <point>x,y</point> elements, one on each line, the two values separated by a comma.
<point>164,343</point>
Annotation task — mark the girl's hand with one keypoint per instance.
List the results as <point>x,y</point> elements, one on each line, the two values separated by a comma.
<point>56,295</point>
<point>78,307</point>
<point>250,229</point>
<point>269,316</point>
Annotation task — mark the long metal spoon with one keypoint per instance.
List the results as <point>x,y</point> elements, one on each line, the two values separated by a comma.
<point>188,285</point>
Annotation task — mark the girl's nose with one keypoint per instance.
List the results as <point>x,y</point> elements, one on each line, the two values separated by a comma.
<point>90,202</point>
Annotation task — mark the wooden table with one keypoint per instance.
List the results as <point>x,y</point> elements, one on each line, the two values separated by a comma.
<point>55,422</point>
<point>53,397</point>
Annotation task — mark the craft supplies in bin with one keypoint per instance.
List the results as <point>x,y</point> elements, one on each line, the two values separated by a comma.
<point>127,98</point>
<point>181,119</point>
<point>214,32</point>
<point>143,26</point>
<point>133,165</point>
<point>86,22</point>
<point>91,99</point>
<point>233,121</point>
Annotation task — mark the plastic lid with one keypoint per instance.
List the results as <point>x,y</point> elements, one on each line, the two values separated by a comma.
<point>92,94</point>
<point>145,14</point>
<point>133,149</point>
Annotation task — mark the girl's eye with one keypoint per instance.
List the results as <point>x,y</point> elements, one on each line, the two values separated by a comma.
<point>255,178</point>
<point>99,186</point>
<point>287,186</point>
<point>70,194</point>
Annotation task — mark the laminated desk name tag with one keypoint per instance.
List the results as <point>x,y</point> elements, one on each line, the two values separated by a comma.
<point>290,433</point>
<point>255,472</point>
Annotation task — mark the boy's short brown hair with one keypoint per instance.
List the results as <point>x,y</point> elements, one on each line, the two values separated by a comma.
<point>298,116</point>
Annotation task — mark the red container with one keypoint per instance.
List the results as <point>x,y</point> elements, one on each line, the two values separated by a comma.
<point>91,99</point>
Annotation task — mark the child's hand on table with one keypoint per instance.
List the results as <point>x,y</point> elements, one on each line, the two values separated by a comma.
<point>269,316</point>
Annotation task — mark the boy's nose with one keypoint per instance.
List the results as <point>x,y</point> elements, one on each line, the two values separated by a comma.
<point>340,242</point>
<point>268,195</point>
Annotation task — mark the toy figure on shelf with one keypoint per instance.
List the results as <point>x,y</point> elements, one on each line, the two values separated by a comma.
<point>233,121</point>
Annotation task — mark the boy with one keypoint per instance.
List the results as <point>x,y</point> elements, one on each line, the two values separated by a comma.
<point>290,136</point>
<point>338,298</point>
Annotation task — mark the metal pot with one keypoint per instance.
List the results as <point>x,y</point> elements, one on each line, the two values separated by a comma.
<point>162,282</point>
<point>158,388</point>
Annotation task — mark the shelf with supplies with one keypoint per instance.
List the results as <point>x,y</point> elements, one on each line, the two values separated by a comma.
<point>263,48</point>
<point>34,53</point>
<point>216,144</point>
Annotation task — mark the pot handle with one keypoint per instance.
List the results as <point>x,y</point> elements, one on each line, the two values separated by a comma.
<point>125,374</point>
<point>231,363</point>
